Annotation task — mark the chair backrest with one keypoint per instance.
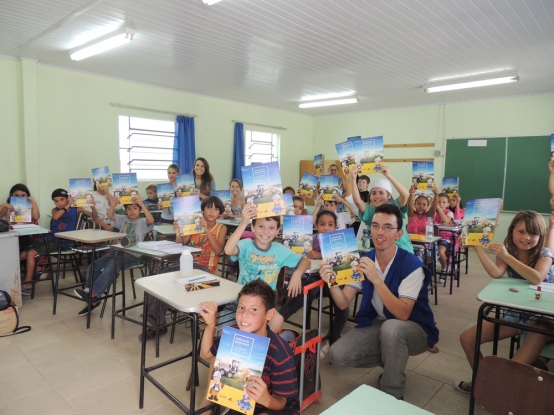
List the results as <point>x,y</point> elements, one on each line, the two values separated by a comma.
<point>504,386</point>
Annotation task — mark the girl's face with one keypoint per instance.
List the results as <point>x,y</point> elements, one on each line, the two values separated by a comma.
<point>523,240</point>
<point>235,188</point>
<point>334,170</point>
<point>152,194</point>
<point>172,175</point>
<point>421,205</point>
<point>452,202</point>
<point>443,202</point>
<point>378,196</point>
<point>211,213</point>
<point>298,207</point>
<point>20,193</point>
<point>326,223</point>
<point>199,168</point>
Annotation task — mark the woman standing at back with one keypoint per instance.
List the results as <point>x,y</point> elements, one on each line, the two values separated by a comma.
<point>203,179</point>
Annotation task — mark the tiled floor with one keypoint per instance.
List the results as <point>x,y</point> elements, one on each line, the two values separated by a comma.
<point>61,368</point>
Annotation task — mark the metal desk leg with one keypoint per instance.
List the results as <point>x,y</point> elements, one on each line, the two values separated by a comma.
<point>496,331</point>
<point>114,287</point>
<point>476,357</point>
<point>143,350</point>
<point>194,363</point>
<point>57,278</point>
<point>49,265</point>
<point>89,297</point>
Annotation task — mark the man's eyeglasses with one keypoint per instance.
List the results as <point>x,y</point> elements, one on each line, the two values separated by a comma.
<point>384,228</point>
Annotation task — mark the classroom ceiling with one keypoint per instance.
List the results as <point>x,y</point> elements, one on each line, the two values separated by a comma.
<point>275,52</point>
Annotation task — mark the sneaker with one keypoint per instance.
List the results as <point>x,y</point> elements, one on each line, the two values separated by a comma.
<point>442,280</point>
<point>82,294</point>
<point>151,334</point>
<point>84,311</point>
<point>324,349</point>
<point>25,291</point>
<point>462,386</point>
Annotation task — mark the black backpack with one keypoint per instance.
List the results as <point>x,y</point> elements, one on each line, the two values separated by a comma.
<point>7,307</point>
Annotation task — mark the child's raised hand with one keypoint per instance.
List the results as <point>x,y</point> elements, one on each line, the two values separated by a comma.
<point>209,312</point>
<point>325,270</point>
<point>320,202</point>
<point>551,166</point>
<point>249,211</point>
<point>295,287</point>
<point>353,174</point>
<point>499,250</point>
<point>385,170</point>
<point>176,228</point>
<point>436,190</point>
<point>113,202</point>
<point>70,201</point>
<point>413,190</point>
<point>31,199</point>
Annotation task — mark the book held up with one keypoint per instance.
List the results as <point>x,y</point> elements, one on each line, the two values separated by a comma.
<point>240,355</point>
<point>423,175</point>
<point>81,191</point>
<point>185,184</point>
<point>225,197</point>
<point>298,233</point>
<point>450,186</point>
<point>22,212</point>
<point>480,219</point>
<point>187,215</point>
<point>319,162</point>
<point>165,194</point>
<point>329,187</point>
<point>308,184</point>
<point>262,187</point>
<point>340,248</point>
<point>125,188</point>
<point>102,177</point>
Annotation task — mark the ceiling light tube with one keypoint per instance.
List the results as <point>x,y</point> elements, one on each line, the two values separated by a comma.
<point>474,83</point>
<point>102,44</point>
<point>328,103</point>
<point>210,2</point>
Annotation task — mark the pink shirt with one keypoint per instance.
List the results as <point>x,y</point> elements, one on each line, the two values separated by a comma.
<point>417,225</point>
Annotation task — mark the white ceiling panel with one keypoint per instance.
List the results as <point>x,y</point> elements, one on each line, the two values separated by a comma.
<point>274,52</point>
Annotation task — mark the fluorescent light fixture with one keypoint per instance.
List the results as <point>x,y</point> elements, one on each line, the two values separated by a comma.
<point>328,103</point>
<point>102,44</point>
<point>332,95</point>
<point>472,83</point>
<point>210,2</point>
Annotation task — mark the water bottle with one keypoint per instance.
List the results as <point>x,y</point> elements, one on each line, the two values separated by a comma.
<point>186,264</point>
<point>429,229</point>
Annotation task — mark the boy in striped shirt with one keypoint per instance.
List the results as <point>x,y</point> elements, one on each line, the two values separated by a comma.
<point>276,392</point>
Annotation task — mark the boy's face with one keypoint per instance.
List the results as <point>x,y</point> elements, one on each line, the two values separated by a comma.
<point>152,194</point>
<point>362,185</point>
<point>298,207</point>
<point>265,231</point>
<point>252,316</point>
<point>133,211</point>
<point>443,202</point>
<point>60,202</point>
<point>378,196</point>
<point>330,205</point>
<point>211,213</point>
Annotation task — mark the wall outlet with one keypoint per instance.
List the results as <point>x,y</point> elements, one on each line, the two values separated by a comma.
<point>440,153</point>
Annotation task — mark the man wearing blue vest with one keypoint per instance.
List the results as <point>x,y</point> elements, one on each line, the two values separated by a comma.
<point>395,320</point>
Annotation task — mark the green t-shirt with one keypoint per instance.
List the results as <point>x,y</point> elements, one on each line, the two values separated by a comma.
<point>404,241</point>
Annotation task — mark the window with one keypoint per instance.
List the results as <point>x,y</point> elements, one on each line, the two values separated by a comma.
<point>146,147</point>
<point>261,147</point>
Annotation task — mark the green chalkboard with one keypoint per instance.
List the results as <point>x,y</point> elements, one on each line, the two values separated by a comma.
<point>480,168</point>
<point>512,168</point>
<point>527,174</point>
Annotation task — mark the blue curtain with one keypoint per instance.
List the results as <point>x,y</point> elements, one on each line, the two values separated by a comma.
<point>239,152</point>
<point>184,152</point>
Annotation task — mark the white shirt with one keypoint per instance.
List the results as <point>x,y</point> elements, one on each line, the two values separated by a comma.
<point>102,206</point>
<point>344,219</point>
<point>409,287</point>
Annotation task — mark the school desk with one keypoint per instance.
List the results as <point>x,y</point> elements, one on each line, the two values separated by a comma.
<point>497,298</point>
<point>367,400</point>
<point>162,288</point>
<point>91,237</point>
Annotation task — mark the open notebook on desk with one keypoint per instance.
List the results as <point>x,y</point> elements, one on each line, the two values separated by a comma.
<point>167,246</point>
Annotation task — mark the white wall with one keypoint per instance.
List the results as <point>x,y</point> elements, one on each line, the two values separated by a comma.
<point>514,116</point>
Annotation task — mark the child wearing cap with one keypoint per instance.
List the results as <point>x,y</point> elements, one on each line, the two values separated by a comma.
<point>64,219</point>
<point>380,191</point>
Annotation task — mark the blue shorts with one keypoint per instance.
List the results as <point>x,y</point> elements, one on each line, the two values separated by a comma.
<point>516,317</point>
<point>445,243</point>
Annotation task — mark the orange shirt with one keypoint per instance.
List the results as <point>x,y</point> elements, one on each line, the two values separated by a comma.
<point>207,257</point>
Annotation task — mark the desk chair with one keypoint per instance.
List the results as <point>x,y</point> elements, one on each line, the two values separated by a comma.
<point>503,387</point>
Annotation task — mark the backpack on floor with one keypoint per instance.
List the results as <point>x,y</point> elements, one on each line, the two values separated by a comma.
<point>9,318</point>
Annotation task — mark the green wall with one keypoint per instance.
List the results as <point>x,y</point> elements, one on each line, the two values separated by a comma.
<point>77,129</point>
<point>512,116</point>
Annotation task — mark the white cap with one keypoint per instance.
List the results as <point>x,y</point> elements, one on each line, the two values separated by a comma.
<point>382,184</point>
